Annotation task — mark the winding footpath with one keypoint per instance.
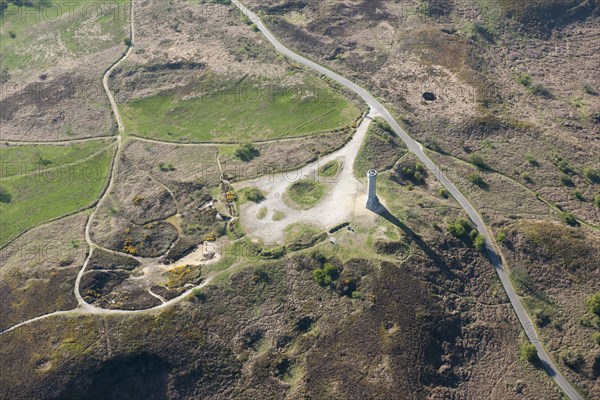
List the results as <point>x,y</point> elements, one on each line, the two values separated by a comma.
<point>417,149</point>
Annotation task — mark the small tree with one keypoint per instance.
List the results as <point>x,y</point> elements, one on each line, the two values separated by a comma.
<point>246,152</point>
<point>529,353</point>
<point>542,318</point>
<point>127,42</point>
<point>479,242</point>
<point>501,237</point>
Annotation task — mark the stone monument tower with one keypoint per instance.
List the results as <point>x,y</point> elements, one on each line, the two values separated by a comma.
<point>373,203</point>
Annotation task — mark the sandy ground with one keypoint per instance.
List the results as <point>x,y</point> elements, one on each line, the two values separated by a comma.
<point>345,197</point>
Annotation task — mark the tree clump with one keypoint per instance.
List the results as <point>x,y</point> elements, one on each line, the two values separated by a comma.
<point>529,353</point>
<point>327,275</point>
<point>247,152</point>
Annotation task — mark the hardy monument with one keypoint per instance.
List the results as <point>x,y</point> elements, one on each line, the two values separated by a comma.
<point>373,203</point>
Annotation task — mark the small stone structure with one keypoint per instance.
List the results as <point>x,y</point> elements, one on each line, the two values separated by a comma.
<point>373,203</point>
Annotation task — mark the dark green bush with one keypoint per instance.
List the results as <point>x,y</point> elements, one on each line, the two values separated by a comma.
<point>529,353</point>
<point>254,195</point>
<point>326,275</point>
<point>246,152</point>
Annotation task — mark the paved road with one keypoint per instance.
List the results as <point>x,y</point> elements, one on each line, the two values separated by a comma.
<point>417,149</point>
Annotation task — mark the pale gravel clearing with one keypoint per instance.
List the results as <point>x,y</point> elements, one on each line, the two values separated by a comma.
<point>345,195</point>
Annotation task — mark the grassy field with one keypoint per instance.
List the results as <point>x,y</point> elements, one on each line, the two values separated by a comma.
<point>17,160</point>
<point>34,199</point>
<point>240,113</point>
<point>306,193</point>
<point>54,30</point>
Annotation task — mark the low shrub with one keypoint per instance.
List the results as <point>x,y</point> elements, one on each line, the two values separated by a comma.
<point>569,219</point>
<point>477,180</point>
<point>593,304</point>
<point>477,160</point>
<point>593,175</point>
<point>254,194</point>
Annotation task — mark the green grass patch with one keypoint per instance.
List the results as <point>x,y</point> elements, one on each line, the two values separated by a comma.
<point>300,232</point>
<point>262,213</point>
<point>278,215</point>
<point>38,198</point>
<point>330,169</point>
<point>18,160</point>
<point>244,112</point>
<point>306,193</point>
